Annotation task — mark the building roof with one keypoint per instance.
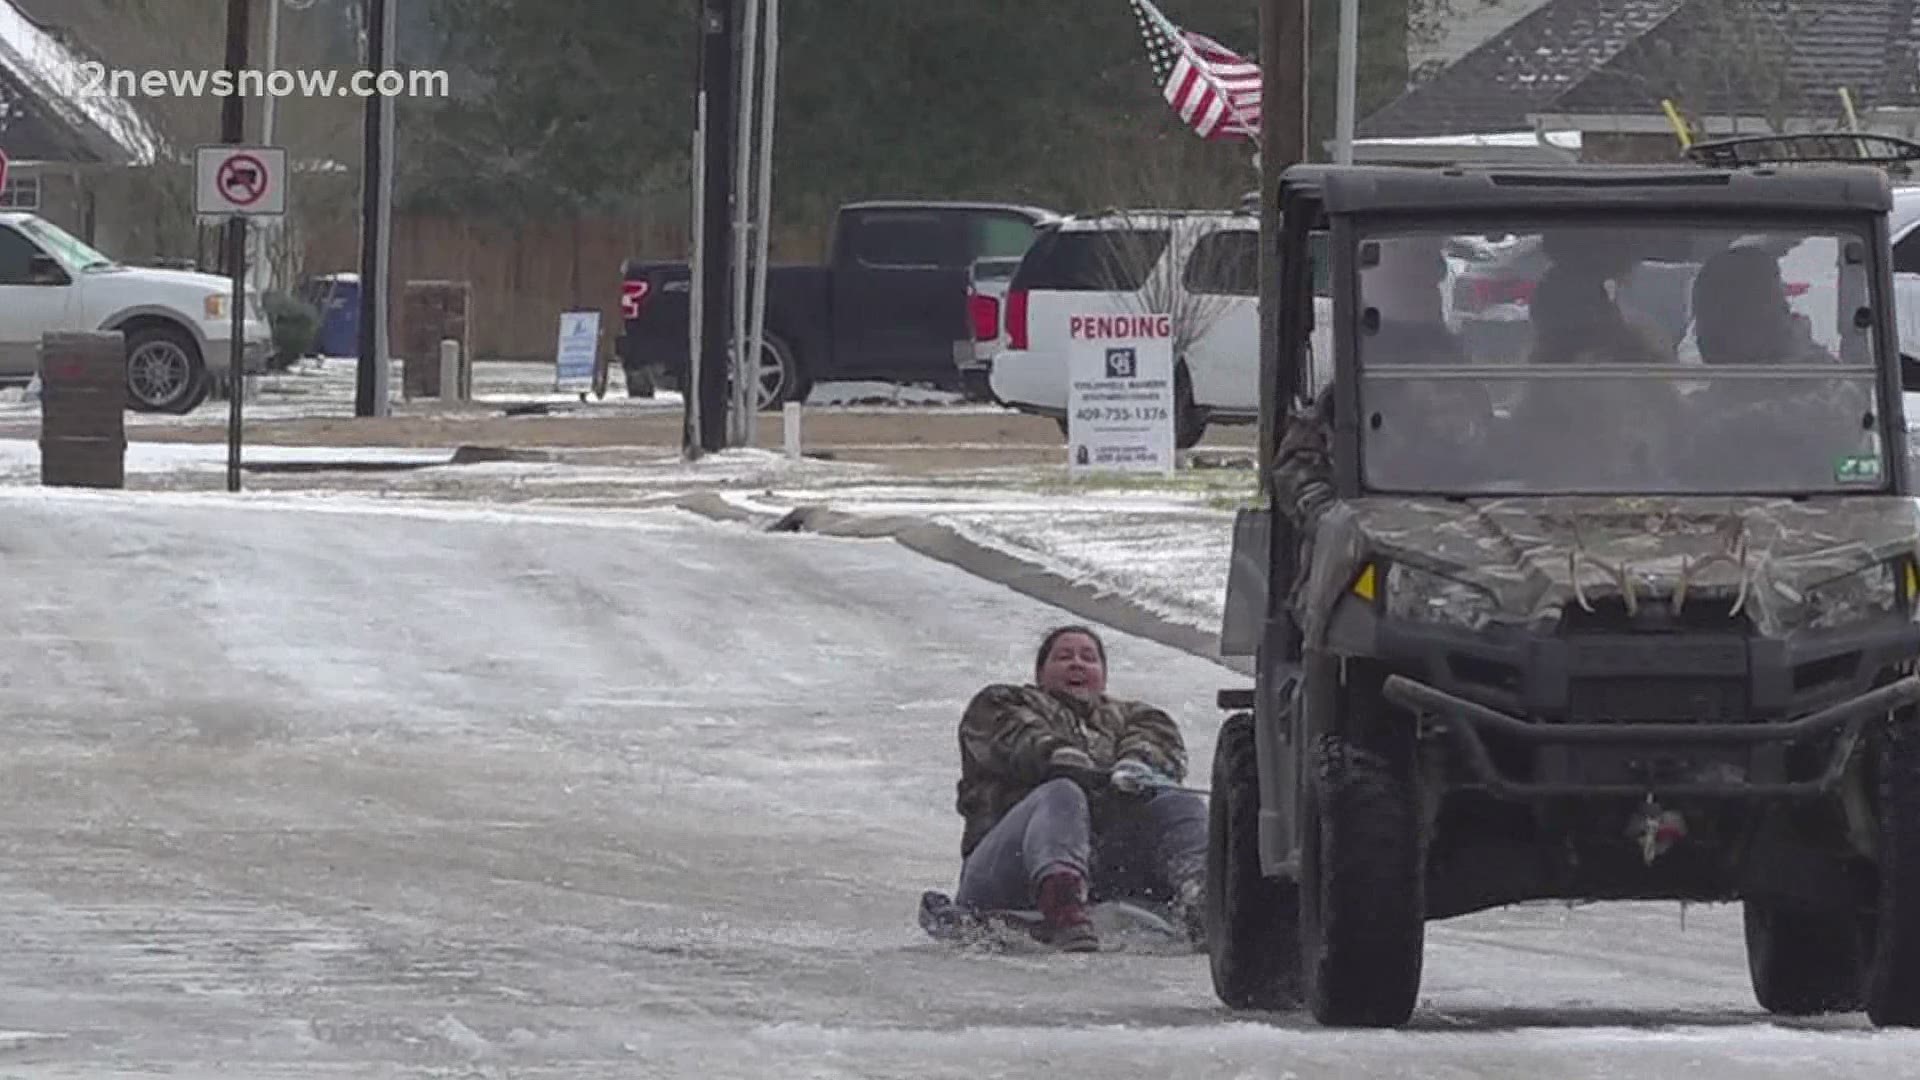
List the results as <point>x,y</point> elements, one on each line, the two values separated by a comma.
<point>1778,59</point>
<point>42,103</point>
<point>1520,71</point>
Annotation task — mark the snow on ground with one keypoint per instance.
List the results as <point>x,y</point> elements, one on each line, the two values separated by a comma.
<point>325,387</point>
<point>20,458</point>
<point>1167,548</point>
<point>294,788</point>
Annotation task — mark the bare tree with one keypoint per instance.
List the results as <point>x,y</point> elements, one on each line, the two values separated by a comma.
<point>1181,264</point>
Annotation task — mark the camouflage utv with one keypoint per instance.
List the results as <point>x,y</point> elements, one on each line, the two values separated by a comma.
<point>1591,576</point>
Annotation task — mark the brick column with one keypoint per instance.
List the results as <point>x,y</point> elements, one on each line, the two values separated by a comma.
<point>431,311</point>
<point>83,401</point>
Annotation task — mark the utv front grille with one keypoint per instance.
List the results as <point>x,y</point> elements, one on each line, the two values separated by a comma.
<point>1656,615</point>
<point>1659,699</point>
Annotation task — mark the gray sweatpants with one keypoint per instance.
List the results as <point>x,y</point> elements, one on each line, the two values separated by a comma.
<point>1144,846</point>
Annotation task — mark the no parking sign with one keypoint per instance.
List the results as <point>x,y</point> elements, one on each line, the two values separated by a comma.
<point>240,181</point>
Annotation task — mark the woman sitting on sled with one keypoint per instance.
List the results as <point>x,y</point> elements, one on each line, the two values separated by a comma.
<point>1065,792</point>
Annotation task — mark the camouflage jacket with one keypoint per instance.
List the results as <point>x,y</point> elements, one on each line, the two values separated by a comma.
<point>1008,732</point>
<point>1302,466</point>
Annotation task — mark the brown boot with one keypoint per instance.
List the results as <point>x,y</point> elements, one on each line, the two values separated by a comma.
<point>1065,924</point>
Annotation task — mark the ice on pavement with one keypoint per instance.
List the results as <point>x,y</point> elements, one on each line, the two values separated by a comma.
<point>290,788</point>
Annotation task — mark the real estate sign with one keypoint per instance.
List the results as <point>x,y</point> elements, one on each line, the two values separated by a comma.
<point>1120,396</point>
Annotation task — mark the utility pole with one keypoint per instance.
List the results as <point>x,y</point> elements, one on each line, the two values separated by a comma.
<point>1284,49</point>
<point>376,212</point>
<point>746,358</point>
<point>233,132</point>
<point>711,316</point>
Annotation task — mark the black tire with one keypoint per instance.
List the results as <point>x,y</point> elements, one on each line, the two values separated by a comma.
<point>977,386</point>
<point>777,356</point>
<point>1803,961</point>
<point>1362,910</point>
<point>639,382</point>
<point>165,371</point>
<point>1189,420</point>
<point>1253,921</point>
<point>1892,984</point>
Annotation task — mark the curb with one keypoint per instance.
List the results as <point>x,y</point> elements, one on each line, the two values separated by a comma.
<point>948,545</point>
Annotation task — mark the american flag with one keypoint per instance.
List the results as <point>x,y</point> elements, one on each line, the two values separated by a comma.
<point>1214,90</point>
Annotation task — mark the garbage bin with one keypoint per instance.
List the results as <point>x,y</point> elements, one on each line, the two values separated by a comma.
<point>337,296</point>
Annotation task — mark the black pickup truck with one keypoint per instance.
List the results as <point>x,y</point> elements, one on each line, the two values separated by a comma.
<point>890,304</point>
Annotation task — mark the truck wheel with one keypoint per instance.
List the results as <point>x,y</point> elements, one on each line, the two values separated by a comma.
<point>978,386</point>
<point>1189,420</point>
<point>1362,903</point>
<point>165,372</point>
<point>1893,967</point>
<point>1253,921</point>
<point>1803,961</point>
<point>779,375</point>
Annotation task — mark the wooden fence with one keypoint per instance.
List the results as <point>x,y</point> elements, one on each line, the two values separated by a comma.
<point>523,276</point>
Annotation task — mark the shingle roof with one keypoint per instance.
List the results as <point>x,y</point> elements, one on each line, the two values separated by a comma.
<point>1520,70</point>
<point>1621,57</point>
<point>44,71</point>
<point>1759,57</point>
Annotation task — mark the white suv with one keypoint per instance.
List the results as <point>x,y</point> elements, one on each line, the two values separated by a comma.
<point>1200,267</point>
<point>178,325</point>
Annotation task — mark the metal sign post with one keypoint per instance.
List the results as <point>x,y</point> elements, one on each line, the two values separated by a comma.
<point>232,184</point>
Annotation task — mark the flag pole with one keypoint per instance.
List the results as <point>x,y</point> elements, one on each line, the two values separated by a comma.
<point>1346,89</point>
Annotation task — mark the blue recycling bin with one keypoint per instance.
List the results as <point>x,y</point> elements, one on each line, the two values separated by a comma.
<point>338,298</point>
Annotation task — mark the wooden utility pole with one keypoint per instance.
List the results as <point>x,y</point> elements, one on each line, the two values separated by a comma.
<point>1284,48</point>
<point>710,313</point>
<point>233,131</point>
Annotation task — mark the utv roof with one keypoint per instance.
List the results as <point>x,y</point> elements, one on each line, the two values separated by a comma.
<point>1389,188</point>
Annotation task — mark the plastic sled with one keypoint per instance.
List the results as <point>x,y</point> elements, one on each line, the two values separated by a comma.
<point>1123,926</point>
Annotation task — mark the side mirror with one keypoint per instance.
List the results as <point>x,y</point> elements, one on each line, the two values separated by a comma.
<point>43,270</point>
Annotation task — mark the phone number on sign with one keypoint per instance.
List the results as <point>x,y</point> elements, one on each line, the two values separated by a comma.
<point>1111,415</point>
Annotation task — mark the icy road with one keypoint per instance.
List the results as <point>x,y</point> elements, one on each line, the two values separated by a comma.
<point>303,788</point>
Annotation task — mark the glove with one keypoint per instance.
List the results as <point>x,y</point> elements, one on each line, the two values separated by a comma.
<point>1134,777</point>
<point>1074,764</point>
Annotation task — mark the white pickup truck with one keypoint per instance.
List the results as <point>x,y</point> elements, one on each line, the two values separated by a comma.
<point>178,325</point>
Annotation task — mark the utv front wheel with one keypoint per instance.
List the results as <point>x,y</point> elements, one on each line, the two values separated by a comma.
<point>1363,910</point>
<point>1253,921</point>
<point>1803,961</point>
<point>1893,967</point>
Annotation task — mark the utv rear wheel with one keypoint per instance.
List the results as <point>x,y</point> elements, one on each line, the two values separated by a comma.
<point>1803,961</point>
<point>1253,921</point>
<point>1362,911</point>
<point>1893,966</point>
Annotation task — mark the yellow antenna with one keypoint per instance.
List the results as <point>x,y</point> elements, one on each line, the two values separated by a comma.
<point>1679,126</point>
<point>1853,118</point>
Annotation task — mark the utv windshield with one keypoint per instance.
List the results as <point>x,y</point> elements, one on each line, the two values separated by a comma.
<point>1608,359</point>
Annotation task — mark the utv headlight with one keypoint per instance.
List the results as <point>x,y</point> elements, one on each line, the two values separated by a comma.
<point>1870,594</point>
<point>1423,596</point>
